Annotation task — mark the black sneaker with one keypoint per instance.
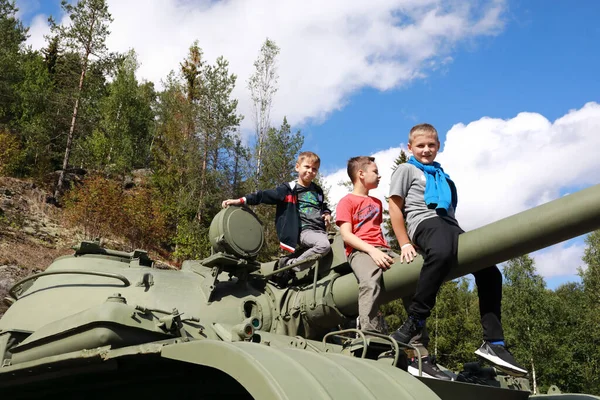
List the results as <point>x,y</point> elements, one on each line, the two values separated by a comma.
<point>284,279</point>
<point>501,358</point>
<point>428,368</point>
<point>281,262</point>
<point>408,330</point>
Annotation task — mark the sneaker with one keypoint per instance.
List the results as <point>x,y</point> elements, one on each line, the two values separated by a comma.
<point>281,262</point>
<point>501,358</point>
<point>408,330</point>
<point>284,279</point>
<point>428,368</point>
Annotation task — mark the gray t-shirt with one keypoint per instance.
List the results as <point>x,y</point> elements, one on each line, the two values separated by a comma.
<point>409,182</point>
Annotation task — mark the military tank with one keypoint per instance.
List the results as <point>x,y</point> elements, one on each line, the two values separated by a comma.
<point>107,324</point>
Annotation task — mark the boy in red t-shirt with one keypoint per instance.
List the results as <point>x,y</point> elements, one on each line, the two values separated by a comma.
<point>359,217</point>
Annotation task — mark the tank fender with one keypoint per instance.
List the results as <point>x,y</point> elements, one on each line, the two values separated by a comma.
<point>273,374</point>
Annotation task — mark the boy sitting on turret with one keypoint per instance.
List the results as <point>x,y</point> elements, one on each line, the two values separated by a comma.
<point>423,195</point>
<point>359,217</point>
<point>301,217</point>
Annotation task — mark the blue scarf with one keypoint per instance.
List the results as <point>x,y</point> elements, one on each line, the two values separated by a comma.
<point>439,188</point>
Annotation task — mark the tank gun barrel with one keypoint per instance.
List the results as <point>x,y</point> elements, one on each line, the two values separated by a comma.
<point>534,229</point>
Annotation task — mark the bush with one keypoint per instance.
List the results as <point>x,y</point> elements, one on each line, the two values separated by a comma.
<point>10,153</point>
<point>95,206</point>
<point>143,223</point>
<point>102,208</point>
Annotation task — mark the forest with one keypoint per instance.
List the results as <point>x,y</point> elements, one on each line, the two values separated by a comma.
<point>124,158</point>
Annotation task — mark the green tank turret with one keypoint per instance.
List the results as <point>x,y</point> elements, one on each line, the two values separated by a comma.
<point>107,324</point>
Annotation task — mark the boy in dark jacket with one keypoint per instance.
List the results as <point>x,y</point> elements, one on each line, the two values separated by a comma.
<point>301,217</point>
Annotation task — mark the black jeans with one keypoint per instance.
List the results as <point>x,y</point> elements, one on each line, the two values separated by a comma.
<point>437,239</point>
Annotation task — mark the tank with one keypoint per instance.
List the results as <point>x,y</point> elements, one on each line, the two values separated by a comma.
<point>108,324</point>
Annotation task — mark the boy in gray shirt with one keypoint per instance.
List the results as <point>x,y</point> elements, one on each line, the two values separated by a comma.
<point>422,203</point>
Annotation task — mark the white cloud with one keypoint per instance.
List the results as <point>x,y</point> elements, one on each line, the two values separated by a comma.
<point>559,260</point>
<point>37,30</point>
<point>329,49</point>
<point>502,167</point>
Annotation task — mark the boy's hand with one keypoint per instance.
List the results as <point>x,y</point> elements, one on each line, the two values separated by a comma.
<point>327,219</point>
<point>408,253</point>
<point>231,202</point>
<point>382,260</point>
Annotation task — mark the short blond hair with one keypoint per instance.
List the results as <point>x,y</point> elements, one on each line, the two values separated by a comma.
<point>310,156</point>
<point>356,164</point>
<point>422,129</point>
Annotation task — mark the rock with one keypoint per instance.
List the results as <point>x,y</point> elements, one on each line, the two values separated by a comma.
<point>29,230</point>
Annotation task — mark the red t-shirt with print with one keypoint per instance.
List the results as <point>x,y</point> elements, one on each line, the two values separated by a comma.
<point>365,215</point>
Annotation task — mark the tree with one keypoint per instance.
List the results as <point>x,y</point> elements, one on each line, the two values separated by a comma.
<point>33,119</point>
<point>527,315</point>
<point>590,278</point>
<point>12,39</point>
<point>86,35</point>
<point>121,140</point>
<point>217,121</point>
<point>175,165</point>
<point>567,367</point>
<point>263,86</point>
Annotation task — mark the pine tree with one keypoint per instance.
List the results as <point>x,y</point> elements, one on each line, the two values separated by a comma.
<point>12,40</point>
<point>86,35</point>
<point>121,140</point>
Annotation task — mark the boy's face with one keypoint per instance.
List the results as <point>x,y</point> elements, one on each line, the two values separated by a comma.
<point>424,147</point>
<point>307,171</point>
<point>370,176</point>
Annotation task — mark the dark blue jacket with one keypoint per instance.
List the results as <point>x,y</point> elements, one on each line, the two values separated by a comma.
<point>287,215</point>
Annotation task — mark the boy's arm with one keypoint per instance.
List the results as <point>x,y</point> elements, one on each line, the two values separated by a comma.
<point>270,196</point>
<point>407,250</point>
<point>326,214</point>
<point>382,260</point>
<point>325,211</point>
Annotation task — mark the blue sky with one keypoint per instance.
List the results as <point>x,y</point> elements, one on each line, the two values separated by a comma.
<point>511,86</point>
<point>546,60</point>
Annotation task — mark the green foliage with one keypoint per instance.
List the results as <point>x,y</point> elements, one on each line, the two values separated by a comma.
<point>191,241</point>
<point>9,152</point>
<point>143,223</point>
<point>198,157</point>
<point>85,36</point>
<point>34,118</point>
<point>88,29</point>
<point>566,367</point>
<point>590,278</point>
<point>527,316</point>
<point>121,141</point>
<point>454,325</point>
<point>12,39</point>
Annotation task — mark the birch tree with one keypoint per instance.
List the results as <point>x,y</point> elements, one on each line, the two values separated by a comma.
<point>263,86</point>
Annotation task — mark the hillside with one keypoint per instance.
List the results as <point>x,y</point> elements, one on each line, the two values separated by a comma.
<point>31,234</point>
